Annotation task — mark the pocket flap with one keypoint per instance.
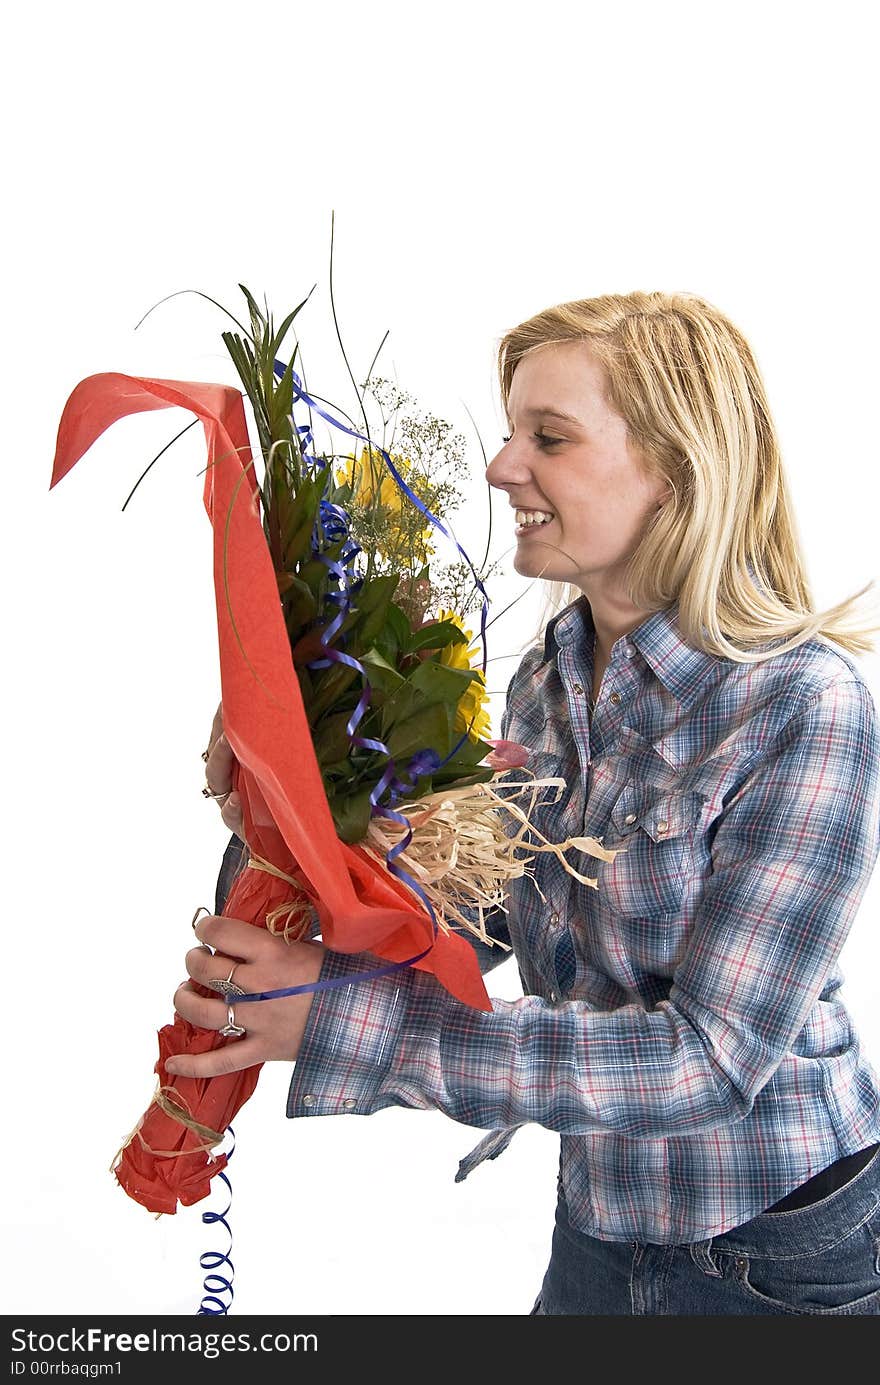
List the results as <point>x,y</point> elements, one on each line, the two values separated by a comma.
<point>663,815</point>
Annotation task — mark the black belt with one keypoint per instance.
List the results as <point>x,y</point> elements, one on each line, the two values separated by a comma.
<point>826,1181</point>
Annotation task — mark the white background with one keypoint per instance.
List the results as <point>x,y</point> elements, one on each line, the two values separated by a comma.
<point>483,162</point>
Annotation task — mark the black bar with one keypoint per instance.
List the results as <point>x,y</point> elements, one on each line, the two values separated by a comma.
<point>279,1347</point>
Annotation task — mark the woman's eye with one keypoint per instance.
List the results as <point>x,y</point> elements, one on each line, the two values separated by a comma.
<point>541,439</point>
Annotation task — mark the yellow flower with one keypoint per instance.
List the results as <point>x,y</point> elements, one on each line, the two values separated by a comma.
<point>388,501</point>
<point>472,703</point>
<point>360,473</point>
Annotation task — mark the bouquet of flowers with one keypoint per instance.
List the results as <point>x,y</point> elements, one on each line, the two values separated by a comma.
<point>350,701</point>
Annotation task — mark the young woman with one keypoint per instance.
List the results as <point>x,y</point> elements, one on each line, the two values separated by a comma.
<point>681,1025</point>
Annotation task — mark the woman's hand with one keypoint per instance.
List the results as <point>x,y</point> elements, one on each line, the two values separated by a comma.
<point>261,962</point>
<point>219,760</point>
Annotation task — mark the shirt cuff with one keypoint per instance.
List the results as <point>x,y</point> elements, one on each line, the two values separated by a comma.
<point>349,1039</point>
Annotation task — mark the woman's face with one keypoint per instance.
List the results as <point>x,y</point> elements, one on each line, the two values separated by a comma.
<point>580,468</point>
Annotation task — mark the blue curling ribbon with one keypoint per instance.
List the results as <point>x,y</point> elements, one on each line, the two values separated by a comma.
<point>330,984</point>
<point>216,1284</point>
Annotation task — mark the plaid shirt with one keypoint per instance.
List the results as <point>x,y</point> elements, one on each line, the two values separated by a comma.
<point>681,1025</point>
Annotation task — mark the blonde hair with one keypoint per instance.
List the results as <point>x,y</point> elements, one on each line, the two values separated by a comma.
<point>725,545</point>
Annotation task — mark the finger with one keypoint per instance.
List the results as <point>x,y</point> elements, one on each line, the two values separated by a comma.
<point>230,812</point>
<point>234,938</point>
<point>216,732</point>
<point>216,726</point>
<point>218,766</point>
<point>234,1055</point>
<point>205,967</point>
<point>202,1011</point>
<point>206,952</point>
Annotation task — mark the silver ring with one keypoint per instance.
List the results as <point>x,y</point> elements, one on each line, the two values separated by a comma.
<point>231,1030</point>
<point>228,987</point>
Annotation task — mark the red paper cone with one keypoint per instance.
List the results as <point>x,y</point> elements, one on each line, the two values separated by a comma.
<point>287,818</point>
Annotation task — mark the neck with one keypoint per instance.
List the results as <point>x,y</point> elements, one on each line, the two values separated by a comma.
<point>612,618</point>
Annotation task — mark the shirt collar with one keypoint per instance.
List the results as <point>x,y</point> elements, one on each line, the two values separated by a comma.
<point>682,670</point>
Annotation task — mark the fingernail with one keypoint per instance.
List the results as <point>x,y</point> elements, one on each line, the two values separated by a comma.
<point>223,740</point>
<point>234,801</point>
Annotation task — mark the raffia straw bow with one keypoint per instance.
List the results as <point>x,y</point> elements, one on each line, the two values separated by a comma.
<point>459,853</point>
<point>297,911</point>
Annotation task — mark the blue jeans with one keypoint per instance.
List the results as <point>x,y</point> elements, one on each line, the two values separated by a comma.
<point>821,1259</point>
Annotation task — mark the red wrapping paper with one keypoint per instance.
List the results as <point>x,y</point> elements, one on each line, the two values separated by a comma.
<point>287,820</point>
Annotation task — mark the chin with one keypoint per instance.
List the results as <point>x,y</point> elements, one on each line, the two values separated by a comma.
<point>529,559</point>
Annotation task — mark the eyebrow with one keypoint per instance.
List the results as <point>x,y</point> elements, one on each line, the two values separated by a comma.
<point>543,412</point>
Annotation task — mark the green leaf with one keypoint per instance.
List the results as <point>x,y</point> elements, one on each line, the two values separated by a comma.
<point>469,754</point>
<point>282,398</point>
<point>275,344</point>
<point>258,322</point>
<point>305,685</point>
<point>299,605</point>
<point>429,685</point>
<point>383,676</point>
<point>399,626</point>
<point>444,778</point>
<point>428,729</point>
<point>386,644</point>
<point>244,361</point>
<point>351,814</point>
<point>333,682</point>
<point>437,635</point>
<point>300,542</point>
<point>373,625</point>
<point>440,682</point>
<point>377,592</point>
<point>314,574</point>
<point>331,739</point>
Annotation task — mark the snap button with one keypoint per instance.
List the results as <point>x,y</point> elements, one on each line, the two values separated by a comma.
<point>308,1100</point>
<point>578,689</point>
<point>662,826</point>
<point>614,698</point>
<point>553,995</point>
<point>554,919</point>
<point>630,818</point>
<point>349,1103</point>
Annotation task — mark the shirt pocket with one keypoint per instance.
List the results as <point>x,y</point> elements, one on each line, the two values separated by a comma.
<point>653,831</point>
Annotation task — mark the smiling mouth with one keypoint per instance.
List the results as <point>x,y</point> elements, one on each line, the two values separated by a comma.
<point>522,529</point>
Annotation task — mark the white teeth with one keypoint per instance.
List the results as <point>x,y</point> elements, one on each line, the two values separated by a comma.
<point>533,517</point>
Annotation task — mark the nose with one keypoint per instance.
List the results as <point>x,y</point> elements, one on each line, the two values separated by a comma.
<point>507,467</point>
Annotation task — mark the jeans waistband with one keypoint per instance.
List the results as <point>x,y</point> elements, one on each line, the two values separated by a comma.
<point>826,1181</point>
<point>812,1228</point>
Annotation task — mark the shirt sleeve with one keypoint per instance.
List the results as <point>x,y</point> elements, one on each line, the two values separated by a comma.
<point>792,854</point>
